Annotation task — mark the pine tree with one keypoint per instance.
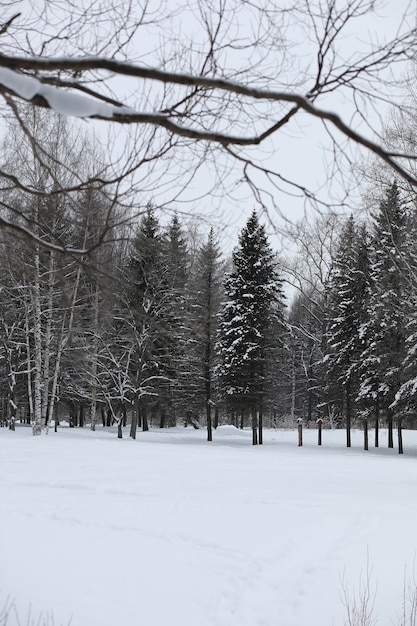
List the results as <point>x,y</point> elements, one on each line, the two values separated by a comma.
<point>205,296</point>
<point>254,307</point>
<point>383,357</point>
<point>348,294</point>
<point>405,402</point>
<point>146,300</point>
<point>177,276</point>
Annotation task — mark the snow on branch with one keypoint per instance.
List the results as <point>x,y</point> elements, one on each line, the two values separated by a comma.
<point>70,103</point>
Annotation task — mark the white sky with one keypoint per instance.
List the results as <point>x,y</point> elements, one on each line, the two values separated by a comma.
<point>297,152</point>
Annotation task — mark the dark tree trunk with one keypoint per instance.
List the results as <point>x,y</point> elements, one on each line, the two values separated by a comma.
<point>254,428</point>
<point>81,416</point>
<point>144,414</point>
<point>162,417</point>
<point>260,428</point>
<point>242,419</point>
<point>138,415</point>
<point>71,416</point>
<point>133,424</point>
<point>209,425</point>
<point>216,416</point>
<point>400,437</point>
<point>390,432</point>
<point>377,422</point>
<point>348,416</point>
<point>109,418</point>
<point>120,428</point>
<point>103,416</point>
<point>365,435</point>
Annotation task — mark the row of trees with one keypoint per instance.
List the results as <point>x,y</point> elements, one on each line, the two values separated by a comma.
<point>154,332</point>
<point>101,320</point>
<point>355,336</point>
<point>158,327</point>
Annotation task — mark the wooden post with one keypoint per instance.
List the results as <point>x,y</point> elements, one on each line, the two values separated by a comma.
<point>319,427</point>
<point>300,431</point>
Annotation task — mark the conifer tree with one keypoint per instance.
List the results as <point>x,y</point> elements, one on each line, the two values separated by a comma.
<point>177,275</point>
<point>348,291</point>
<point>247,329</point>
<point>147,304</point>
<point>383,357</point>
<point>205,296</point>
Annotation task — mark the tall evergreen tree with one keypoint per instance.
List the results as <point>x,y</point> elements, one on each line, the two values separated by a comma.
<point>255,306</point>
<point>383,357</point>
<point>147,295</point>
<point>177,276</point>
<point>348,295</point>
<point>205,296</point>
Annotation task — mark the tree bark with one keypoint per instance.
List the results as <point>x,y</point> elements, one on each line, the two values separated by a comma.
<point>365,435</point>
<point>254,428</point>
<point>348,416</point>
<point>209,424</point>
<point>145,423</point>
<point>400,437</point>
<point>260,428</point>
<point>134,423</point>
<point>37,327</point>
<point>390,432</point>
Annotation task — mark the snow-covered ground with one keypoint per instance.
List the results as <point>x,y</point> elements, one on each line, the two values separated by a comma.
<point>172,530</point>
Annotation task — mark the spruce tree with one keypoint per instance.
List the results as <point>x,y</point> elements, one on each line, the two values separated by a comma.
<point>384,355</point>
<point>205,296</point>
<point>347,300</point>
<point>147,298</point>
<point>254,308</point>
<point>176,334</point>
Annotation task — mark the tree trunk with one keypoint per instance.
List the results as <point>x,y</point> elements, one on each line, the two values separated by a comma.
<point>254,428</point>
<point>365,435</point>
<point>133,424</point>
<point>145,424</point>
<point>260,428</point>
<point>209,425</point>
<point>37,331</point>
<point>46,356</point>
<point>216,416</point>
<point>390,432</point>
<point>348,416</point>
<point>94,364</point>
<point>400,437</point>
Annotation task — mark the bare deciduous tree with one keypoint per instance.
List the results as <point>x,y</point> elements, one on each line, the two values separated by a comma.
<point>209,90</point>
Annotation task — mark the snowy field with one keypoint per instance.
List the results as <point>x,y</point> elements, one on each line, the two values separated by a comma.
<point>170,530</point>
